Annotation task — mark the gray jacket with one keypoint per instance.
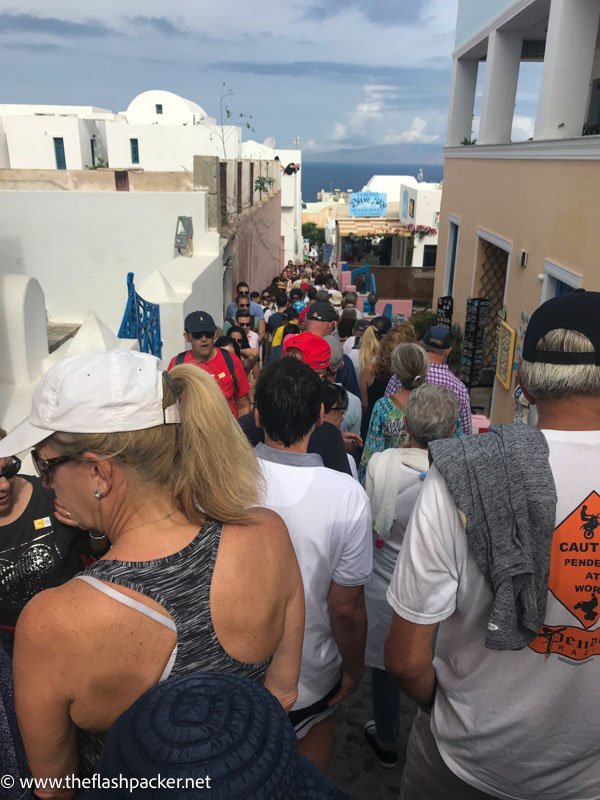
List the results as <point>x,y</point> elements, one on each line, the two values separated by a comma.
<point>503,484</point>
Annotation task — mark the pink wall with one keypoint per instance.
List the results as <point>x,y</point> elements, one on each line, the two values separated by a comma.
<point>257,247</point>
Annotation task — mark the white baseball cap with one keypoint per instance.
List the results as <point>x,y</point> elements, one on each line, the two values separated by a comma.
<point>99,392</point>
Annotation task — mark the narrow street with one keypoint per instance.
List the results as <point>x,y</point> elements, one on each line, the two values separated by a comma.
<point>355,769</point>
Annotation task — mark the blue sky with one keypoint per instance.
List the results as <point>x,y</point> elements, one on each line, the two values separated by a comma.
<point>336,73</point>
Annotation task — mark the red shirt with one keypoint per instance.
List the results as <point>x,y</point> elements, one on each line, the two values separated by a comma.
<point>220,372</point>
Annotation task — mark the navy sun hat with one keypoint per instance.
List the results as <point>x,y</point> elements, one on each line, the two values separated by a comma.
<point>226,734</point>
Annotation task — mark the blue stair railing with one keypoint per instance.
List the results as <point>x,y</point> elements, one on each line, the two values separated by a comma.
<point>141,321</point>
<point>370,287</point>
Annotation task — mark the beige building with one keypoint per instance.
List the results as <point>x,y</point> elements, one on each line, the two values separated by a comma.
<point>520,220</point>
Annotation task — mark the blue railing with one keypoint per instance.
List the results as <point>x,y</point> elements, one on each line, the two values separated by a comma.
<point>370,287</point>
<point>141,321</point>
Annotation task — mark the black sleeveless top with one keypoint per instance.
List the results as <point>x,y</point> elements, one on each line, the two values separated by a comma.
<point>180,583</point>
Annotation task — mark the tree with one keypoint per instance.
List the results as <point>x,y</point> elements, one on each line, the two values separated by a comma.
<point>313,233</point>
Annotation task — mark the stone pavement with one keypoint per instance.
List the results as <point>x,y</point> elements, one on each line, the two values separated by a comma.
<point>355,769</point>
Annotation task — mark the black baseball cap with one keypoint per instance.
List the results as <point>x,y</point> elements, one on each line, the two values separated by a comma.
<point>381,324</point>
<point>324,312</point>
<point>575,311</point>
<point>199,322</point>
<point>438,337</point>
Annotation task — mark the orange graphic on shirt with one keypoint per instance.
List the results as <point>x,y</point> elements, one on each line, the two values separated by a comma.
<point>575,582</point>
<point>567,641</point>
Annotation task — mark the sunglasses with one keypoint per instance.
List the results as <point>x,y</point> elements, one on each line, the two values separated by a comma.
<point>245,324</point>
<point>244,291</point>
<point>44,466</point>
<point>10,470</point>
<point>243,307</point>
<point>238,341</point>
<point>203,335</point>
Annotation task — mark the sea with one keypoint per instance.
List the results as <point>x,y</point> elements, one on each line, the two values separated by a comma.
<point>332,175</point>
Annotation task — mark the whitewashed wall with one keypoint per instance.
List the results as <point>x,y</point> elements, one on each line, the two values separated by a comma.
<point>291,205</point>
<point>169,147</point>
<point>30,141</point>
<point>81,245</point>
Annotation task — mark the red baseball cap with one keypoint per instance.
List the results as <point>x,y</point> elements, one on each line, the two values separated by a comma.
<point>314,349</point>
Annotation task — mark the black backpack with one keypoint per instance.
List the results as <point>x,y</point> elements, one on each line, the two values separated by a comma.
<point>228,360</point>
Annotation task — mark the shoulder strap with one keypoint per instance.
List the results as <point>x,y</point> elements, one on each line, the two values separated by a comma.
<point>179,358</point>
<point>230,366</point>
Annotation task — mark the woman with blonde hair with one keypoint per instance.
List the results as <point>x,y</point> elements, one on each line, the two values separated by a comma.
<point>197,578</point>
<point>374,379</point>
<point>387,428</point>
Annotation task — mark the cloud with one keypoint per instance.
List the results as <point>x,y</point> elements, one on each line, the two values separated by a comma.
<point>32,47</point>
<point>415,133</point>
<point>380,12</point>
<point>344,70</point>
<point>522,128</point>
<point>357,126</point>
<point>160,25</point>
<point>28,23</point>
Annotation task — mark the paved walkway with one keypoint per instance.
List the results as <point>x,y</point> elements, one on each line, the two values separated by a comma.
<point>355,769</point>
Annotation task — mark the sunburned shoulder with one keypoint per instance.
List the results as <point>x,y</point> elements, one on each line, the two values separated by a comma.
<point>53,612</point>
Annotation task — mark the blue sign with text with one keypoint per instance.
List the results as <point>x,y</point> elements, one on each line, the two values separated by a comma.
<point>367,204</point>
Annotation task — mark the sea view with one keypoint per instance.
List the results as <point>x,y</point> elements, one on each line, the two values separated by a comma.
<point>331,175</point>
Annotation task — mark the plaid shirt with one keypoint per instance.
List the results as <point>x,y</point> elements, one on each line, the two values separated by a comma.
<point>440,375</point>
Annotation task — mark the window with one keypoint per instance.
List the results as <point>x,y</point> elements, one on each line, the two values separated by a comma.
<point>558,280</point>
<point>135,151</point>
<point>451,264</point>
<point>59,153</point>
<point>158,108</point>
<point>93,149</point>
<point>429,255</point>
<point>560,287</point>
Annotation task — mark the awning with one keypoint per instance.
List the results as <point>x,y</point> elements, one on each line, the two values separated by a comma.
<point>372,226</point>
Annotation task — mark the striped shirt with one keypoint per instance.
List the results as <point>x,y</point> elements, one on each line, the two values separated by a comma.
<point>440,375</point>
<point>180,583</point>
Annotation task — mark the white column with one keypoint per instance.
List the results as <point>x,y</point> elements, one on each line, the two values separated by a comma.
<point>570,48</point>
<point>500,91</point>
<point>462,100</point>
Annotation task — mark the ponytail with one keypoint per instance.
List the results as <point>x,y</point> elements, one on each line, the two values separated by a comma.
<point>218,474</point>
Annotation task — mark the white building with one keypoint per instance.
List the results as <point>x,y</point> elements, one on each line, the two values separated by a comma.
<point>291,193</point>
<point>419,205</point>
<point>159,131</point>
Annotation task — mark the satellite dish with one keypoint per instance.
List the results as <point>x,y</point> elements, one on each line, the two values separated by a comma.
<point>269,142</point>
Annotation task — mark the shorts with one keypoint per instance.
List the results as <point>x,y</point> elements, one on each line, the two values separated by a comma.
<point>303,719</point>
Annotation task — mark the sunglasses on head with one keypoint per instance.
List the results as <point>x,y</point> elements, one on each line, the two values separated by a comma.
<point>203,335</point>
<point>10,470</point>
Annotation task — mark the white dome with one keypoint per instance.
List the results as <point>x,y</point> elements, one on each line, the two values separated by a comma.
<point>157,106</point>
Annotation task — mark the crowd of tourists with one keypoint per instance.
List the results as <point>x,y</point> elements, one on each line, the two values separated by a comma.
<point>214,553</point>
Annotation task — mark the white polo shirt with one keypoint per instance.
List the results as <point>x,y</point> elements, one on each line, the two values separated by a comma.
<point>328,516</point>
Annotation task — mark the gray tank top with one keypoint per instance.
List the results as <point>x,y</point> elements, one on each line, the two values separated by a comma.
<point>180,583</point>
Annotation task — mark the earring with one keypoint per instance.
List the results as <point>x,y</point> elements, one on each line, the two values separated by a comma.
<point>98,494</point>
